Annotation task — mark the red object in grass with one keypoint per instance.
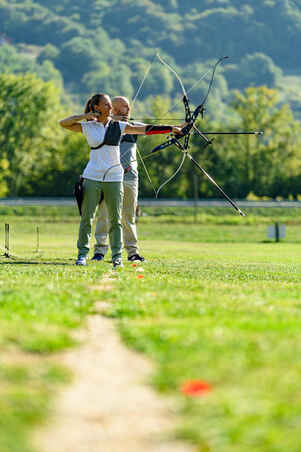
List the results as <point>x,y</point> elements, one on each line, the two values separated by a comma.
<point>134,265</point>
<point>140,276</point>
<point>196,388</point>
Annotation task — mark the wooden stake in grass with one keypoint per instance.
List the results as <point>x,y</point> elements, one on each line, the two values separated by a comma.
<point>6,254</point>
<point>38,240</point>
<point>195,190</point>
<point>277,235</point>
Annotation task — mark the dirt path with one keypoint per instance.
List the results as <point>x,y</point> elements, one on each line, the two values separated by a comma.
<point>108,407</point>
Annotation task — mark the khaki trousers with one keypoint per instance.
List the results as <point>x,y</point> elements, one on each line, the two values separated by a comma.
<point>130,189</point>
<point>113,195</point>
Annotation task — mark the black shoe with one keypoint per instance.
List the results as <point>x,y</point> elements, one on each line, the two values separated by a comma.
<point>136,257</point>
<point>117,263</point>
<point>97,257</point>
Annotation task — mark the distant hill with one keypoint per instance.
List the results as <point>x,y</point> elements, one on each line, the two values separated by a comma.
<point>108,44</point>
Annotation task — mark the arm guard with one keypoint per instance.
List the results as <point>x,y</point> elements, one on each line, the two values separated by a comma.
<point>155,130</point>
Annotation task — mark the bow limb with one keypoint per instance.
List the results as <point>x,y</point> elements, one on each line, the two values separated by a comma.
<point>185,97</point>
<point>133,103</point>
<point>147,173</point>
<point>142,81</point>
<point>211,81</point>
<point>199,110</point>
<point>187,118</point>
<point>191,89</point>
<point>160,148</point>
<point>173,175</point>
<point>174,140</point>
<point>174,72</point>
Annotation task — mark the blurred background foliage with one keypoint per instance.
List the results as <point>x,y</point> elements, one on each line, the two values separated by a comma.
<point>54,54</point>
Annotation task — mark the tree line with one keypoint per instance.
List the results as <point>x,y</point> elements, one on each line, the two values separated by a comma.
<point>38,158</point>
<point>107,45</point>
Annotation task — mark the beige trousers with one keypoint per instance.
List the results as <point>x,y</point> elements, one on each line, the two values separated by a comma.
<point>130,197</point>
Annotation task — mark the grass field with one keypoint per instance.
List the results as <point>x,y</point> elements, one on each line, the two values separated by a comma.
<point>218,302</point>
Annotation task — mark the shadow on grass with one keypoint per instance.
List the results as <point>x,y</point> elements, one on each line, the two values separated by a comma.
<point>71,263</point>
<point>23,262</point>
<point>273,241</point>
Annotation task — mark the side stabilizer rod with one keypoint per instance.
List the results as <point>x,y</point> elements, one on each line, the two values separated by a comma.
<point>233,204</point>
<point>260,132</point>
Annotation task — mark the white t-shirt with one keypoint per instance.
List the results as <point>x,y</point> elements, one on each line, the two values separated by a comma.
<point>104,163</point>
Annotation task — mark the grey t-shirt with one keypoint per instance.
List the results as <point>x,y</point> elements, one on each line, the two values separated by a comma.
<point>128,155</point>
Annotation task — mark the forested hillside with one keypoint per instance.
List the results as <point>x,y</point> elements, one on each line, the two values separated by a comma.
<point>69,49</point>
<point>108,44</point>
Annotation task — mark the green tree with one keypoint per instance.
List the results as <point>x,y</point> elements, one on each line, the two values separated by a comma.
<point>69,157</point>
<point>16,61</point>
<point>108,80</point>
<point>253,70</point>
<point>266,166</point>
<point>29,109</point>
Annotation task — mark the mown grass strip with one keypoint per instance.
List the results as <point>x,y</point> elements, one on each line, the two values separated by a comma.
<point>41,303</point>
<point>231,317</point>
<point>216,303</point>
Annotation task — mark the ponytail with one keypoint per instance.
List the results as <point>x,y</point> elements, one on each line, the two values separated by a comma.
<point>88,106</point>
<point>94,100</point>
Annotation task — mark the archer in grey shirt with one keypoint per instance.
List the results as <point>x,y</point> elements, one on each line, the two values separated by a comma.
<point>128,157</point>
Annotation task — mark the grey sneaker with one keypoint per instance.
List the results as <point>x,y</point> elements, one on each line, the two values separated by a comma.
<point>117,263</point>
<point>81,260</point>
<point>97,257</point>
